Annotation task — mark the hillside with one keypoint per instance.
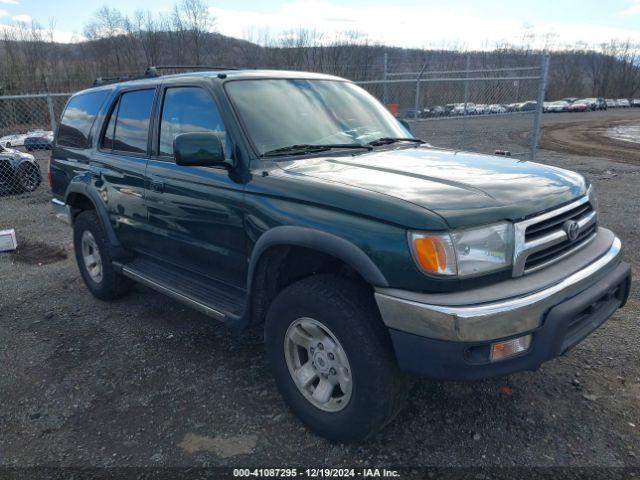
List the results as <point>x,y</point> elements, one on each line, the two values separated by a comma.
<point>32,65</point>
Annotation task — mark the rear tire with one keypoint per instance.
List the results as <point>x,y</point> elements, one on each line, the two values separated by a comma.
<point>339,325</point>
<point>94,257</point>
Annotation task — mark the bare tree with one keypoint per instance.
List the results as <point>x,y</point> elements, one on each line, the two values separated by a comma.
<point>193,23</point>
<point>116,44</point>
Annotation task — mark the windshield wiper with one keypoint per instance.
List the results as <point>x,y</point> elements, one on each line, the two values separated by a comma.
<point>312,148</point>
<point>390,140</point>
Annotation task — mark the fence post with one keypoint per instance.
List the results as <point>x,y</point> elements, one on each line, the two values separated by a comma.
<point>52,117</point>
<point>417,100</point>
<point>385,88</point>
<point>537,120</point>
<point>463,143</point>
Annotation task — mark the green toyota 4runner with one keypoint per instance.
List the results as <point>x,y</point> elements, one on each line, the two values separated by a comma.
<point>298,203</point>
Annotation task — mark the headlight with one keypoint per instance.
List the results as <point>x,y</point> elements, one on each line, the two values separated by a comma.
<point>466,252</point>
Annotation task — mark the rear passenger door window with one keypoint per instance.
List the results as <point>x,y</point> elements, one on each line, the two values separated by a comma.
<point>128,126</point>
<point>186,110</point>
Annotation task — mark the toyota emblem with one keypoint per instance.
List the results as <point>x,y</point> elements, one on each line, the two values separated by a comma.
<point>572,229</point>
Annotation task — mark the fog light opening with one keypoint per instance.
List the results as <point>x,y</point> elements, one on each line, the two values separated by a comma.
<point>509,348</point>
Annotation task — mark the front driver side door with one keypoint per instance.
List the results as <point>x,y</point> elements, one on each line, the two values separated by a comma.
<point>195,213</point>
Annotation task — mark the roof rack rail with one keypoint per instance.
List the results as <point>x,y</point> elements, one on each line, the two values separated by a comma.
<point>153,71</point>
<point>191,67</point>
<point>149,73</point>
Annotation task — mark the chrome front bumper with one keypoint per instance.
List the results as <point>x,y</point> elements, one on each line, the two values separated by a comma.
<point>437,317</point>
<point>61,210</point>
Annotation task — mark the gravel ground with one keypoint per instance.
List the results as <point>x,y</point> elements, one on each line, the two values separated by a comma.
<point>145,381</point>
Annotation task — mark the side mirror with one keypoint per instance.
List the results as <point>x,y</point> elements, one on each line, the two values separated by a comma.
<point>405,124</point>
<point>199,149</point>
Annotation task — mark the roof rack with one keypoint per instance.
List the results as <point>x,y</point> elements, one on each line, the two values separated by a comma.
<point>149,73</point>
<point>190,67</point>
<point>153,71</point>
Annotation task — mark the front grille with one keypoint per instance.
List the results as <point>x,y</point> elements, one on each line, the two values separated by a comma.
<point>542,240</point>
<point>545,227</point>
<point>537,260</point>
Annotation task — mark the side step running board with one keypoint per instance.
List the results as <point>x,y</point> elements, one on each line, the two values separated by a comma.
<point>191,293</point>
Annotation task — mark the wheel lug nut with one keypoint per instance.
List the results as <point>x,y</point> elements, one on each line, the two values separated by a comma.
<point>312,349</point>
<point>331,357</point>
<point>320,346</point>
<point>332,371</point>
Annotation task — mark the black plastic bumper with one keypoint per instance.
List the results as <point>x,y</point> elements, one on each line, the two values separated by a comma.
<point>564,326</point>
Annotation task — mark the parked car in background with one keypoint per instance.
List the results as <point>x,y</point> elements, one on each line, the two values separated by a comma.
<point>579,106</point>
<point>512,107</point>
<point>611,103</point>
<point>19,172</point>
<point>497,108</point>
<point>39,141</point>
<point>623,103</point>
<point>483,109</point>
<point>437,111</point>
<point>410,113</point>
<point>601,103</point>
<point>528,106</point>
<point>635,102</point>
<point>459,109</point>
<point>14,140</point>
<point>591,102</point>
<point>558,106</point>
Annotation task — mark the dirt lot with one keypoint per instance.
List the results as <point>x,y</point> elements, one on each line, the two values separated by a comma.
<point>587,135</point>
<point>147,382</point>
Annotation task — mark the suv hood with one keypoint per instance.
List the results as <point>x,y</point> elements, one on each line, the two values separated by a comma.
<point>464,188</point>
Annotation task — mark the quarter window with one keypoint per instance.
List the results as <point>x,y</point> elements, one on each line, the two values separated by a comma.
<point>128,126</point>
<point>78,117</point>
<point>186,110</point>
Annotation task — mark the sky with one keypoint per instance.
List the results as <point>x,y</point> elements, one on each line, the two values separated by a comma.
<point>478,24</point>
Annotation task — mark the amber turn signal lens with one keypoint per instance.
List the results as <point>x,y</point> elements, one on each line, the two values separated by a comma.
<point>431,254</point>
<point>509,348</point>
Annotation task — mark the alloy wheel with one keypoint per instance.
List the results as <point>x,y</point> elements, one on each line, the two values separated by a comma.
<point>91,256</point>
<point>318,364</point>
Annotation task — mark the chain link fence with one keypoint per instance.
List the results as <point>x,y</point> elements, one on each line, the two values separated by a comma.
<point>27,123</point>
<point>486,110</point>
<point>472,107</point>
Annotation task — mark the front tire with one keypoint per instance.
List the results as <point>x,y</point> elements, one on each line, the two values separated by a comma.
<point>94,258</point>
<point>332,358</point>
<point>28,177</point>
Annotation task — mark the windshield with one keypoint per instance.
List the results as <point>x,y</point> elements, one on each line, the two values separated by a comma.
<point>278,113</point>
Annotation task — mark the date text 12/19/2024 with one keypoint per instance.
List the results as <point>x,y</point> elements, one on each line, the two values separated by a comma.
<point>315,473</point>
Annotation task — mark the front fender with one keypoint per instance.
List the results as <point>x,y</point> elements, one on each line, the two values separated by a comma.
<point>320,241</point>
